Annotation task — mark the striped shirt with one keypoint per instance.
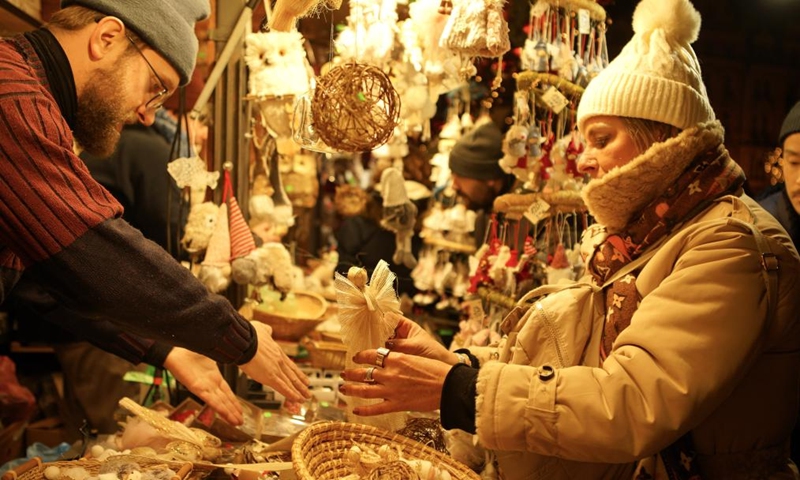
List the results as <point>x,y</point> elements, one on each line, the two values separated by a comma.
<point>66,230</point>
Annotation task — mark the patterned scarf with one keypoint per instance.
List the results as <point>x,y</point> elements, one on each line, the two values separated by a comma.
<point>709,176</point>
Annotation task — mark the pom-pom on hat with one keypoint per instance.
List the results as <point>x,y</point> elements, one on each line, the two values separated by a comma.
<point>657,75</point>
<point>791,124</point>
<point>167,26</point>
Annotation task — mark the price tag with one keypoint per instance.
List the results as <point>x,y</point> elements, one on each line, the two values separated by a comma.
<point>555,100</point>
<point>539,210</point>
<point>474,310</point>
<point>584,22</point>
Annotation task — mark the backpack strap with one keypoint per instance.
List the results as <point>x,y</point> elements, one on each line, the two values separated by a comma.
<point>673,454</point>
<point>769,263</point>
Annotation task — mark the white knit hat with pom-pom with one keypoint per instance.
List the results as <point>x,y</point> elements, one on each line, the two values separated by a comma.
<point>657,75</point>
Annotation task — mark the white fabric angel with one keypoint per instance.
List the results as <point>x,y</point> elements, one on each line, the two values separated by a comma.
<point>362,314</point>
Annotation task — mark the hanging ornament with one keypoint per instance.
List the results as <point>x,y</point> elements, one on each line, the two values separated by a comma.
<point>303,131</point>
<point>573,153</point>
<point>200,225</point>
<point>215,271</point>
<point>192,172</point>
<point>477,29</point>
<point>276,63</point>
<point>559,268</point>
<point>515,150</point>
<point>399,215</point>
<point>286,12</point>
<point>355,107</point>
<point>301,181</point>
<point>283,216</point>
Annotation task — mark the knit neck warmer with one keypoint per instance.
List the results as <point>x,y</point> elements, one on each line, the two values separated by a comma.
<point>57,70</point>
<point>623,193</point>
<point>670,184</point>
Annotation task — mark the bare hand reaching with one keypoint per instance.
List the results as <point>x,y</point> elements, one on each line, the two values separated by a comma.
<point>273,368</point>
<point>201,376</point>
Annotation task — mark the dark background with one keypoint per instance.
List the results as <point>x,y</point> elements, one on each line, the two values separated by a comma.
<point>750,55</point>
<point>749,51</point>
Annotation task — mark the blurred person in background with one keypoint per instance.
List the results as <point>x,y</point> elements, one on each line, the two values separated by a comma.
<point>783,202</point>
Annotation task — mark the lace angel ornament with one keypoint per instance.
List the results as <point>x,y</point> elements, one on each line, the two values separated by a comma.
<point>362,314</point>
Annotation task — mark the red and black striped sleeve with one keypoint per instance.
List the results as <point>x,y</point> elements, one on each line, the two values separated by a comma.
<point>29,300</point>
<point>67,231</point>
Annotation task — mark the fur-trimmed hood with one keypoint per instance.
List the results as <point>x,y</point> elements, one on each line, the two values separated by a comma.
<point>616,197</point>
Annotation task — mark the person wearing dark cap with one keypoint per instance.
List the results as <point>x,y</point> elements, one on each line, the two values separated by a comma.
<point>477,176</point>
<point>97,66</point>
<point>783,201</point>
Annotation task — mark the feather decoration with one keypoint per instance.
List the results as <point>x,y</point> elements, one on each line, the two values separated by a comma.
<point>166,427</point>
<point>362,314</point>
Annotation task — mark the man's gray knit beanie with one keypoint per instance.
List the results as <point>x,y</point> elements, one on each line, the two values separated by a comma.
<point>791,124</point>
<point>167,26</point>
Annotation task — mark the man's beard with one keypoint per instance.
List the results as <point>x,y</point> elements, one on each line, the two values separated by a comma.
<point>474,205</point>
<point>101,113</point>
<point>480,200</point>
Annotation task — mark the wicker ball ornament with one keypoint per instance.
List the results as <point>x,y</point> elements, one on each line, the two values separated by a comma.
<point>355,107</point>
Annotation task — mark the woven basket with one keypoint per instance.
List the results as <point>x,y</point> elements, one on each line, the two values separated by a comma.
<point>335,337</point>
<point>34,469</point>
<point>326,355</point>
<point>292,325</point>
<point>318,451</point>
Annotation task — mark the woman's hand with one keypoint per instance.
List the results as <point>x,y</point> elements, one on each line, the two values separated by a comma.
<point>405,382</point>
<point>410,338</point>
<point>201,376</point>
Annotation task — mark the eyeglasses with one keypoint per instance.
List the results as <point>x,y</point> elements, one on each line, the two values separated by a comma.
<point>158,100</point>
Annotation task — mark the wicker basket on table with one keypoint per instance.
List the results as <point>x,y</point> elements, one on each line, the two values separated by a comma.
<point>318,451</point>
<point>326,355</point>
<point>292,324</point>
<point>34,469</point>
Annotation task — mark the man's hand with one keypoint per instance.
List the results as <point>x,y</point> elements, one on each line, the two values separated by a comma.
<point>272,367</point>
<point>202,377</point>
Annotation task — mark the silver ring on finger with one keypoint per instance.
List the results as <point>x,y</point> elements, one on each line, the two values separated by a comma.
<point>368,377</point>
<point>383,352</point>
